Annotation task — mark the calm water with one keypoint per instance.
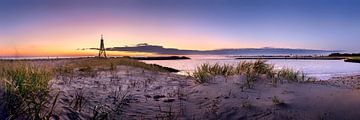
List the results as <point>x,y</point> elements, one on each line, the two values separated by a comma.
<point>322,69</point>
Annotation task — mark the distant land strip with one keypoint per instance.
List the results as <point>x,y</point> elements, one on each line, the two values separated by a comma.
<point>72,58</point>
<point>354,60</point>
<point>162,58</point>
<point>158,49</point>
<point>292,57</point>
<point>354,57</point>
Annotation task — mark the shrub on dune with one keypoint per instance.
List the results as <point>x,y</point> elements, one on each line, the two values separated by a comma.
<point>242,67</point>
<point>250,69</point>
<point>260,67</point>
<point>201,74</point>
<point>289,74</point>
<point>205,72</point>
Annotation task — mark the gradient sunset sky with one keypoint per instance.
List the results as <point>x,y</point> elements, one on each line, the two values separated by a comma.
<point>59,27</point>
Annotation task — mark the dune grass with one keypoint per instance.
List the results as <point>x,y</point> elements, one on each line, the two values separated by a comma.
<point>246,104</point>
<point>250,69</point>
<point>100,113</point>
<point>79,101</point>
<point>26,91</point>
<point>89,67</point>
<point>291,75</point>
<point>277,101</point>
<point>205,72</point>
<point>91,64</point>
<point>201,74</point>
<point>25,83</point>
<point>257,67</point>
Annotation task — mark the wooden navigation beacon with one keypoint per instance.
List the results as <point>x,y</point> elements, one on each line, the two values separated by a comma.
<point>102,52</point>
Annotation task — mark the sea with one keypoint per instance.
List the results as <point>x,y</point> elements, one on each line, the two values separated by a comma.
<point>320,69</point>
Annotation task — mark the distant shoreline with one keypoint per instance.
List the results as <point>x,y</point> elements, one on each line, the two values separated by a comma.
<point>345,58</point>
<point>68,58</point>
<point>292,57</point>
<point>162,58</point>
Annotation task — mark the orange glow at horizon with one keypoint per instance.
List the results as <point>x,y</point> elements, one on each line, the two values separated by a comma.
<point>51,43</point>
<point>54,53</point>
<point>64,38</point>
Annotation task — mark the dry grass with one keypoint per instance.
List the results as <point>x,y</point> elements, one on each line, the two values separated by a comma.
<point>257,67</point>
<point>206,72</point>
<point>25,83</point>
<point>168,113</point>
<point>277,101</point>
<point>90,64</point>
<point>201,74</point>
<point>27,93</point>
<point>250,69</point>
<point>79,101</point>
<point>246,104</point>
<point>100,113</point>
<point>250,78</point>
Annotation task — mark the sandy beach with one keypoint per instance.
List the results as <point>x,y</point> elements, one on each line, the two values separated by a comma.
<point>129,92</point>
<point>179,60</point>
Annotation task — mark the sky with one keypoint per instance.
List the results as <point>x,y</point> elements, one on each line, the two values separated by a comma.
<point>60,27</point>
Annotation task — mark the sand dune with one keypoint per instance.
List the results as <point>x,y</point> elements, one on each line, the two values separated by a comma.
<point>131,93</point>
<point>151,95</point>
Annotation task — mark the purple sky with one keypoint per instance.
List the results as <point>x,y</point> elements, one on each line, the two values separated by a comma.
<point>188,24</point>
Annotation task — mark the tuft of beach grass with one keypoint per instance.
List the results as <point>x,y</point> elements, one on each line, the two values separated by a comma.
<point>250,69</point>
<point>27,93</point>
